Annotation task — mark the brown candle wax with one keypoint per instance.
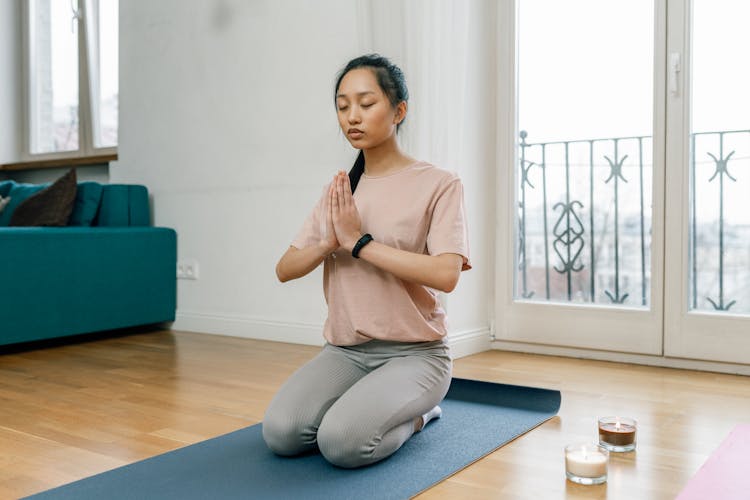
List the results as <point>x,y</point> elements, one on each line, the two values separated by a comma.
<point>617,434</point>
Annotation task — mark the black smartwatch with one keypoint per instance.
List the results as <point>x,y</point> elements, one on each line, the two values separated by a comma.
<point>364,240</point>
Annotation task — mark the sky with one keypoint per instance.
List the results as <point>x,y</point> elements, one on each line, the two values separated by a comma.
<point>586,71</point>
<point>586,67</point>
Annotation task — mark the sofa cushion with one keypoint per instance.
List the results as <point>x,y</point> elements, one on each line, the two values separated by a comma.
<point>17,193</point>
<point>88,196</point>
<point>124,205</point>
<point>49,207</point>
<point>114,208</point>
<point>139,210</point>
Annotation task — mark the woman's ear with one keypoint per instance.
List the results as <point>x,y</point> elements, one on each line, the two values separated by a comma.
<point>400,112</point>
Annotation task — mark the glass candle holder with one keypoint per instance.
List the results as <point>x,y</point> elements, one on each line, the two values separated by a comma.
<point>586,463</point>
<point>617,433</point>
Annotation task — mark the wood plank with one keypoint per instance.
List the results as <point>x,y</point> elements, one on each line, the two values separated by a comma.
<point>75,410</point>
<point>79,161</point>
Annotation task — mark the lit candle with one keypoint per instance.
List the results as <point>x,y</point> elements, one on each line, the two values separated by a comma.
<point>586,463</point>
<point>617,433</point>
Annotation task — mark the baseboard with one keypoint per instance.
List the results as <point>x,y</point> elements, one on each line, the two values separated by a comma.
<point>249,327</point>
<point>461,343</point>
<point>618,357</point>
<point>469,342</point>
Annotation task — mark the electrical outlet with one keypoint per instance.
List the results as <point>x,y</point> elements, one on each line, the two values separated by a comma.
<point>187,269</point>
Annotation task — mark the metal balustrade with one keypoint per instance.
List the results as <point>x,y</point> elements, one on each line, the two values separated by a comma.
<point>584,221</point>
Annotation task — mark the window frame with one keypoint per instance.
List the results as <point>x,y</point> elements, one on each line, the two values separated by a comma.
<point>569,325</point>
<point>87,46</point>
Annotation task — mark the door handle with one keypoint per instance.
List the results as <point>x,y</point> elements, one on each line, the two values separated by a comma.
<point>674,70</point>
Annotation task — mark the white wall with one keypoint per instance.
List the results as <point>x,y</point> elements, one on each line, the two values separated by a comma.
<point>471,305</point>
<point>10,81</point>
<point>226,114</point>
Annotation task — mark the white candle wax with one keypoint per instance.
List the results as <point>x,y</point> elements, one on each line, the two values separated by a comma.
<point>586,462</point>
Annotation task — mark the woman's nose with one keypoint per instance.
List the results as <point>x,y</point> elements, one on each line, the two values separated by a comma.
<point>354,116</point>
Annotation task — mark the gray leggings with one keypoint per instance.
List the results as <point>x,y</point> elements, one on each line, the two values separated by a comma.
<point>358,403</point>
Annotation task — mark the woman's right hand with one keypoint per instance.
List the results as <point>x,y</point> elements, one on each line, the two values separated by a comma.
<point>330,242</point>
<point>298,262</point>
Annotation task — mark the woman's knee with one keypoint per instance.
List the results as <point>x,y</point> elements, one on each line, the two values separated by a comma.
<point>287,436</point>
<point>340,447</point>
<point>343,445</point>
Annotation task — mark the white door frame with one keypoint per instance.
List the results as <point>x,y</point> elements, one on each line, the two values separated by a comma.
<point>694,335</point>
<point>579,326</point>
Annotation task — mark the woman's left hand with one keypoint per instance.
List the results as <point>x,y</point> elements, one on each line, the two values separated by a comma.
<point>346,221</point>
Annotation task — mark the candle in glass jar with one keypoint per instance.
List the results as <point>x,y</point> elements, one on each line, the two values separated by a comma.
<point>586,463</point>
<point>617,433</point>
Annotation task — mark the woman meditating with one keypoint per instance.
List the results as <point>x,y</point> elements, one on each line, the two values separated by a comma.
<point>391,234</point>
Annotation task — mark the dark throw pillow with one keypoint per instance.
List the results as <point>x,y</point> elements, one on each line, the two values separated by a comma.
<point>50,207</point>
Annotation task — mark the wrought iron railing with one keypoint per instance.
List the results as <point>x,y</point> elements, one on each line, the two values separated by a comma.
<point>715,146</point>
<point>585,210</point>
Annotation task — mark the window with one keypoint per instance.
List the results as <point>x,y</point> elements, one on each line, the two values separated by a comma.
<point>71,77</point>
<point>628,200</point>
<point>585,156</point>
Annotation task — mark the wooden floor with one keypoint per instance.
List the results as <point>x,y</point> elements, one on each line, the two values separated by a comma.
<point>72,411</point>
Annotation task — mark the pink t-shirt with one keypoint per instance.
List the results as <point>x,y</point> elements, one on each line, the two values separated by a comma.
<point>418,209</point>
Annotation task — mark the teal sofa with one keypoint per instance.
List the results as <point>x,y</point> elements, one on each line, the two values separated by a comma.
<point>108,269</point>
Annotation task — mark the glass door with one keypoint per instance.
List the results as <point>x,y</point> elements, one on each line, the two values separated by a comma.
<point>708,182</point>
<point>587,250</point>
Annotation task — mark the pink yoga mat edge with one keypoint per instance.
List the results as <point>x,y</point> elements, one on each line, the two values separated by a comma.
<point>726,473</point>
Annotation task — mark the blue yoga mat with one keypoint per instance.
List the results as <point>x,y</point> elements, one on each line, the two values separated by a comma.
<point>478,417</point>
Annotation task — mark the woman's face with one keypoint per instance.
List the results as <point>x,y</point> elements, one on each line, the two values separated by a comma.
<point>365,114</point>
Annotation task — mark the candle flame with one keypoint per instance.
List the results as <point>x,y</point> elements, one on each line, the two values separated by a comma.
<point>617,424</point>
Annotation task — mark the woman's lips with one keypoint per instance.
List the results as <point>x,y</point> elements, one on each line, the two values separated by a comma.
<point>355,133</point>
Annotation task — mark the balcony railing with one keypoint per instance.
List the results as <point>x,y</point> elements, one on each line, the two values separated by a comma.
<point>584,221</point>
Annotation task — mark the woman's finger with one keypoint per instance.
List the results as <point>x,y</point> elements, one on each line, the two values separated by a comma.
<point>340,191</point>
<point>334,196</point>
<point>344,194</point>
<point>348,190</point>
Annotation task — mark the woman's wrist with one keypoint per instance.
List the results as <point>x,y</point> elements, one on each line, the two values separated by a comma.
<point>350,242</point>
<point>326,248</point>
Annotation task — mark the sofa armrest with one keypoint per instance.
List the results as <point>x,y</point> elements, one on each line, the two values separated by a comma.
<point>70,280</point>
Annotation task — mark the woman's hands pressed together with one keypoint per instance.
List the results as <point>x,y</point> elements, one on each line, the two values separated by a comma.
<point>343,219</point>
<point>344,229</point>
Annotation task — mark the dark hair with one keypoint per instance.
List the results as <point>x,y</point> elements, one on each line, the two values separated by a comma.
<point>390,79</point>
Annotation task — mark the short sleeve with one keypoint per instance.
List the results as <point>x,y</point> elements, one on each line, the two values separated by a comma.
<point>448,232</point>
<point>314,227</point>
